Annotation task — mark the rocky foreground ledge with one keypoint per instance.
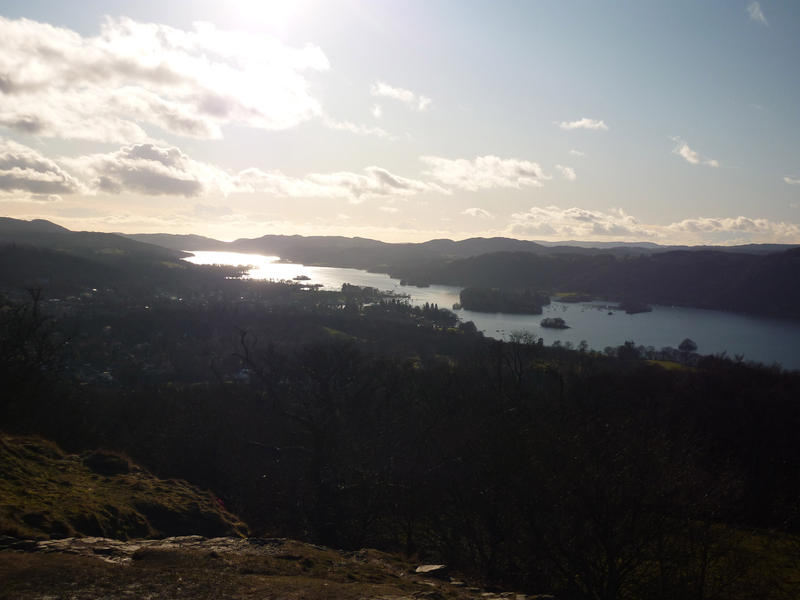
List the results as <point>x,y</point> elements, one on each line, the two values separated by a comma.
<point>48,493</point>
<point>97,526</point>
<point>93,568</point>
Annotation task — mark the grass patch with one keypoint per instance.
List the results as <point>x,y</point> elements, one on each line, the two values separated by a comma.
<point>670,365</point>
<point>339,335</point>
<point>45,493</point>
<point>573,297</point>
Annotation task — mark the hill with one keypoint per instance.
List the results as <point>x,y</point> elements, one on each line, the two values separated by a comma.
<point>756,278</point>
<point>63,262</point>
<point>353,421</point>
<point>9,226</point>
<point>753,278</point>
<point>67,522</point>
<point>61,273</point>
<point>338,251</point>
<point>751,283</point>
<point>89,244</point>
<point>48,493</point>
<point>178,242</point>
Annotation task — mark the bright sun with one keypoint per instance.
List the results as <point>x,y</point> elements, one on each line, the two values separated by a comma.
<point>275,14</point>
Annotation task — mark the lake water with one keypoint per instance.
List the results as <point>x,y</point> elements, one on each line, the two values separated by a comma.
<point>761,339</point>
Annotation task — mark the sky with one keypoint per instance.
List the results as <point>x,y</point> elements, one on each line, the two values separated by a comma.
<point>674,122</point>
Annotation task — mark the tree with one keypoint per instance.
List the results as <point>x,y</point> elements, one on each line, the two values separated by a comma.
<point>688,345</point>
<point>30,352</point>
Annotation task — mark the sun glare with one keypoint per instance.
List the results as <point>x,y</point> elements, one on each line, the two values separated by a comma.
<point>278,15</point>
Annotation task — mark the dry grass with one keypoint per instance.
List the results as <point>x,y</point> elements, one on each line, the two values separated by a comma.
<point>47,493</point>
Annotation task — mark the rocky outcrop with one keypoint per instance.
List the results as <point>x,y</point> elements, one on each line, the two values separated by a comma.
<point>198,567</point>
<point>46,493</point>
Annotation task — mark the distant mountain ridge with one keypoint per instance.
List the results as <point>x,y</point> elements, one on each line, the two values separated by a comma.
<point>13,226</point>
<point>582,244</point>
<point>41,254</point>
<point>44,234</point>
<point>754,278</point>
<point>311,247</point>
<point>178,242</point>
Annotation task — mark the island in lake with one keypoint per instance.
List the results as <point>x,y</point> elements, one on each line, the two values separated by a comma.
<point>633,308</point>
<point>554,323</point>
<point>484,299</point>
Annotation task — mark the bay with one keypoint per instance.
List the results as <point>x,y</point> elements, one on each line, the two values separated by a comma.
<point>761,339</point>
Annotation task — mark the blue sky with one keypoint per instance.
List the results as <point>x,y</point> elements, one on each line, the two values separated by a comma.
<point>675,122</point>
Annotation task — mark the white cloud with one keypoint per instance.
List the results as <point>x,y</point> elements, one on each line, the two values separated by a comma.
<point>584,123</point>
<point>17,198</point>
<point>792,180</point>
<point>46,198</point>
<point>485,172</point>
<point>375,182</point>
<point>389,209</point>
<point>39,179</point>
<point>477,212</point>
<point>377,111</point>
<point>768,230</point>
<point>756,14</point>
<point>356,128</point>
<point>554,223</point>
<point>150,170</point>
<point>576,153</point>
<point>155,170</point>
<point>573,223</point>
<point>567,172</point>
<point>683,150</point>
<point>57,83</point>
<point>416,101</point>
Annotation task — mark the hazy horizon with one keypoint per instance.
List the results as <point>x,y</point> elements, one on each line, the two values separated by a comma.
<point>674,123</point>
<point>564,242</point>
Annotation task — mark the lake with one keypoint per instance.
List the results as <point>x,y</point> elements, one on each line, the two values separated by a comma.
<point>761,339</point>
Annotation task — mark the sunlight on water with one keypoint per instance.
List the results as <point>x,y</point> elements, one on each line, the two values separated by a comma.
<point>761,339</point>
<point>328,278</point>
<point>260,266</point>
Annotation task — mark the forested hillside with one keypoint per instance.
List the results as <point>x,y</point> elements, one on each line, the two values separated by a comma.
<point>353,419</point>
<point>758,284</point>
<point>755,279</point>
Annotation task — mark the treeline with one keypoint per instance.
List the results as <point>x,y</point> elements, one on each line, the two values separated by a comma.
<point>128,272</point>
<point>757,279</point>
<point>757,284</point>
<point>356,424</point>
